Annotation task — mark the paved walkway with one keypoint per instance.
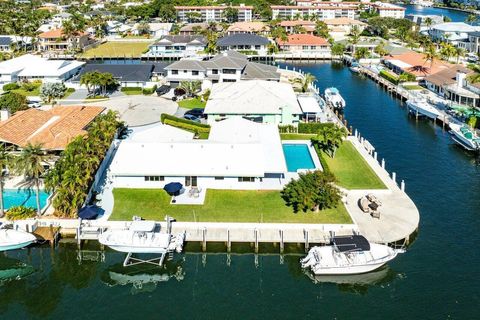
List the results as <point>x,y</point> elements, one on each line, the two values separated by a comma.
<point>399,215</point>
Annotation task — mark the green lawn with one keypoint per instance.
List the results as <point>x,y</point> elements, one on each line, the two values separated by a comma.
<point>296,136</point>
<point>413,87</point>
<point>33,93</point>
<point>351,170</point>
<point>132,91</point>
<point>191,103</point>
<point>219,206</point>
<point>116,49</point>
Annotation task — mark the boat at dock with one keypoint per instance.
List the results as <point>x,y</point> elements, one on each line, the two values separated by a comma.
<point>348,255</point>
<point>423,108</point>
<point>14,239</point>
<point>465,136</point>
<point>334,99</point>
<point>354,67</point>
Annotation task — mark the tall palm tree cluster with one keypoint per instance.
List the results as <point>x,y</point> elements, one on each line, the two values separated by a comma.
<point>98,82</point>
<point>74,172</point>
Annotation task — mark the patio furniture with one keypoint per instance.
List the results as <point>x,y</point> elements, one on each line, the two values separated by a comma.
<point>173,188</point>
<point>364,203</point>
<point>197,192</point>
<point>375,214</point>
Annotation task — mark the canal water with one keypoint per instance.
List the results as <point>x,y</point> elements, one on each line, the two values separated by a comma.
<point>436,279</point>
<point>454,15</point>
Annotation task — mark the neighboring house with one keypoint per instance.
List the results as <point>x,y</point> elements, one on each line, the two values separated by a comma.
<point>305,44</point>
<point>117,28</point>
<point>156,30</point>
<point>56,40</point>
<point>256,27</point>
<point>239,154</point>
<point>211,13</point>
<point>244,42</point>
<point>291,26</point>
<point>340,28</point>
<point>451,84</point>
<point>193,29</point>
<point>229,66</point>
<point>474,40</point>
<point>258,100</point>
<point>8,42</point>
<point>54,129</point>
<point>5,44</point>
<point>456,33</point>
<point>30,67</point>
<point>414,63</point>
<point>421,20</point>
<point>127,75</point>
<point>388,10</point>
<point>177,46</point>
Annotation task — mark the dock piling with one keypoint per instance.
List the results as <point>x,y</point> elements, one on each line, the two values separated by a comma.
<point>229,243</point>
<point>402,185</point>
<point>394,177</point>
<point>282,245</point>
<point>255,233</point>
<point>204,239</point>
<point>383,163</point>
<point>307,245</point>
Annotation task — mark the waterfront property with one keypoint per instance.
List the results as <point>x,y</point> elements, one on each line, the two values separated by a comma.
<point>211,13</point>
<point>30,67</point>
<point>456,33</point>
<point>340,28</point>
<point>22,197</point>
<point>255,27</point>
<point>177,46</point>
<point>258,100</point>
<point>117,49</point>
<point>229,66</point>
<point>305,44</point>
<point>57,41</point>
<point>414,63</point>
<point>244,42</point>
<point>127,75</point>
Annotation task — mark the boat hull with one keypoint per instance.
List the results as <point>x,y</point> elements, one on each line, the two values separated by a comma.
<point>460,139</point>
<point>132,249</point>
<point>16,246</point>
<point>14,239</point>
<point>350,270</point>
<point>429,112</point>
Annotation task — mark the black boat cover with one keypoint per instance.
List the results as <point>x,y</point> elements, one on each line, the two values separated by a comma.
<point>351,243</point>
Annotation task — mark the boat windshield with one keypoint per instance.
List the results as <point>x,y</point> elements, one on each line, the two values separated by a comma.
<point>351,243</point>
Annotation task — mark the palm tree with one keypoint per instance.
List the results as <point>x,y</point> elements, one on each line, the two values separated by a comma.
<point>30,164</point>
<point>361,53</point>
<point>306,81</point>
<point>5,162</point>
<point>329,138</point>
<point>447,50</point>
<point>354,37</point>
<point>428,22</point>
<point>459,53</point>
<point>475,76</point>
<point>430,54</point>
<point>190,87</point>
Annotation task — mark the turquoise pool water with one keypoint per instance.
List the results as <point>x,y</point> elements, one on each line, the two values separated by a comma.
<point>27,198</point>
<point>297,157</point>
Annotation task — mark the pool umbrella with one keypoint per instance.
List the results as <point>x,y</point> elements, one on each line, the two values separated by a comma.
<point>90,212</point>
<point>173,188</point>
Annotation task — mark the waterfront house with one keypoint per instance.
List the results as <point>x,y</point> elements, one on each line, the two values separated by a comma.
<point>155,29</point>
<point>9,42</point>
<point>414,63</point>
<point>291,26</point>
<point>211,13</point>
<point>452,84</point>
<point>127,75</point>
<point>30,67</point>
<point>239,154</point>
<point>340,28</point>
<point>57,41</point>
<point>177,46</point>
<point>244,42</point>
<point>421,20</point>
<point>456,33</point>
<point>192,29</point>
<point>258,100</point>
<point>474,42</point>
<point>228,66</point>
<point>54,129</point>
<point>256,27</point>
<point>299,44</point>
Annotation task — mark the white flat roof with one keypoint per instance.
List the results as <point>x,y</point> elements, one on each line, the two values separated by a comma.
<point>455,27</point>
<point>252,97</point>
<point>158,132</point>
<point>30,65</point>
<point>399,63</point>
<point>309,104</point>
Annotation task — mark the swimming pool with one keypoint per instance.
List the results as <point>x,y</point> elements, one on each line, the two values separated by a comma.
<point>27,198</point>
<point>297,157</point>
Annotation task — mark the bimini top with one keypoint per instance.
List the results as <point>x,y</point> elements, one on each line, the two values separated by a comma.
<point>351,243</point>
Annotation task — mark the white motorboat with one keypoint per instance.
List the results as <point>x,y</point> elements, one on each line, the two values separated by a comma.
<point>15,239</point>
<point>348,255</point>
<point>422,107</point>
<point>142,237</point>
<point>465,136</point>
<point>355,67</point>
<point>333,98</point>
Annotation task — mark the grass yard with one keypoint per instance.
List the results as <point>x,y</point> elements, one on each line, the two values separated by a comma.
<point>33,93</point>
<point>413,87</point>
<point>219,206</point>
<point>191,103</point>
<point>130,91</point>
<point>117,49</point>
<point>296,136</point>
<point>351,170</point>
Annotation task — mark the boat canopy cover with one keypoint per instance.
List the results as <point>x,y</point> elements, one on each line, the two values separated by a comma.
<point>142,226</point>
<point>351,243</point>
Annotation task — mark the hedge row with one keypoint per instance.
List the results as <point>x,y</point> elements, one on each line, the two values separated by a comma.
<point>185,124</point>
<point>390,77</point>
<point>324,164</point>
<point>312,127</point>
<point>124,89</point>
<point>149,90</point>
<point>11,86</point>
<point>288,128</point>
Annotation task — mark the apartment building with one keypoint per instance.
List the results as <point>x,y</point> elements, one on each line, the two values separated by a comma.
<point>211,13</point>
<point>307,12</point>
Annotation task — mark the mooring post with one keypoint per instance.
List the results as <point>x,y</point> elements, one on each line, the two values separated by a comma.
<point>204,239</point>
<point>394,177</point>
<point>402,185</point>
<point>375,155</point>
<point>307,245</point>
<point>383,163</point>
<point>229,243</point>
<point>281,241</point>
<point>255,233</point>
<point>356,133</point>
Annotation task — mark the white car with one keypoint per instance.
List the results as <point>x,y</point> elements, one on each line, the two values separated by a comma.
<point>34,104</point>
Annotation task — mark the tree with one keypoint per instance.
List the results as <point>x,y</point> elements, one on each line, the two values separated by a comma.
<point>211,37</point>
<point>143,28</point>
<point>321,29</point>
<point>190,87</point>
<point>447,50</point>
<point>329,138</point>
<point>338,49</point>
<point>354,37</point>
<point>459,53</point>
<point>430,54</point>
<point>405,76</point>
<point>30,164</point>
<point>428,22</point>
<point>306,81</point>
<point>361,53</point>
<point>5,163</point>
<point>472,18</point>
<point>230,14</point>
<point>106,80</point>
<point>380,49</point>
<point>475,76</point>
<point>52,90</point>
<point>13,102</point>
<point>299,29</point>
<point>312,191</point>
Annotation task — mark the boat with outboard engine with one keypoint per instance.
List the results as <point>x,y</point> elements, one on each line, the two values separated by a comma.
<point>423,108</point>
<point>351,254</point>
<point>334,99</point>
<point>11,239</point>
<point>465,136</point>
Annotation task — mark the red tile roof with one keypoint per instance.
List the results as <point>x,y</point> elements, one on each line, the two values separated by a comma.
<point>57,33</point>
<point>419,66</point>
<point>303,39</point>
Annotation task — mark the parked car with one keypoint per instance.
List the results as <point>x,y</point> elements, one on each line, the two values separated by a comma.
<point>162,90</point>
<point>191,117</point>
<point>34,104</point>
<point>197,112</point>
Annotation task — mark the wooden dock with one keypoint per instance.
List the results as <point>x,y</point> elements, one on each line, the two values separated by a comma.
<point>50,234</point>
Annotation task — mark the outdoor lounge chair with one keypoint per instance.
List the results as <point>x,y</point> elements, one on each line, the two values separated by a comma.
<point>363,203</point>
<point>375,214</point>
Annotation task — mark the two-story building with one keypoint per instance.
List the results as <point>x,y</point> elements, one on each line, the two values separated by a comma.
<point>244,42</point>
<point>56,40</point>
<point>305,44</point>
<point>177,46</point>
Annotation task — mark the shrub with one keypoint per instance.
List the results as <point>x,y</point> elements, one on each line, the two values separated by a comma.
<point>10,86</point>
<point>287,128</point>
<point>312,127</point>
<point>185,124</point>
<point>13,102</point>
<point>20,212</point>
<point>149,91</point>
<point>126,89</point>
<point>30,86</point>
<point>390,77</point>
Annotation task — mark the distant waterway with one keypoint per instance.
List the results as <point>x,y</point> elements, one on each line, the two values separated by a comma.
<point>436,279</point>
<point>454,15</point>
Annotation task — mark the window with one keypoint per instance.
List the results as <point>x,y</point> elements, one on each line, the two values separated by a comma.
<point>174,71</point>
<point>246,179</point>
<point>219,178</point>
<point>185,71</point>
<point>313,47</point>
<point>214,71</point>
<point>195,73</point>
<point>229,71</point>
<point>229,80</point>
<point>305,47</point>
<point>257,47</point>
<point>154,178</point>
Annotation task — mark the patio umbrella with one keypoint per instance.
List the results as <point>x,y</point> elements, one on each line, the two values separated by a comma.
<point>173,188</point>
<point>90,212</point>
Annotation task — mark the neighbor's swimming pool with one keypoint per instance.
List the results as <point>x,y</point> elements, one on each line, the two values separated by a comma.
<point>27,198</point>
<point>297,157</point>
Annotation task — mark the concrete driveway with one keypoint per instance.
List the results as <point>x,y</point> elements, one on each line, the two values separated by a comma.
<point>137,110</point>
